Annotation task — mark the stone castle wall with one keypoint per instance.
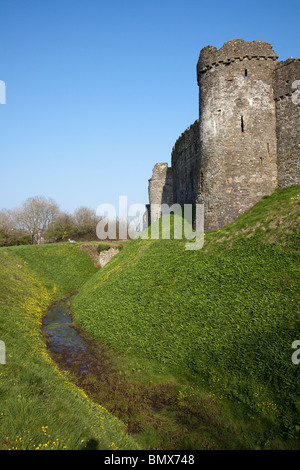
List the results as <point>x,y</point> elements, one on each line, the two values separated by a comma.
<point>185,165</point>
<point>246,140</point>
<point>160,189</point>
<point>288,121</point>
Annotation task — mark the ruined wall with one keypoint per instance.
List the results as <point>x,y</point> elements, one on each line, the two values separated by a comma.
<point>237,128</point>
<point>288,121</point>
<point>185,165</point>
<point>160,189</point>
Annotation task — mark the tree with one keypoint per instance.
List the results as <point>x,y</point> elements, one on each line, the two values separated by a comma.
<point>85,221</point>
<point>61,228</point>
<point>7,225</point>
<point>35,216</point>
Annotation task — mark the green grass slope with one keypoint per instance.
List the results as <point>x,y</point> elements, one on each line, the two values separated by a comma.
<point>221,319</point>
<point>40,408</point>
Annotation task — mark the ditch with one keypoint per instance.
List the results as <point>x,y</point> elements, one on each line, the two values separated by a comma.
<point>151,410</point>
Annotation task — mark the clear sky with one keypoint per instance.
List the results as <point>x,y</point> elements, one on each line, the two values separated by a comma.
<point>98,91</point>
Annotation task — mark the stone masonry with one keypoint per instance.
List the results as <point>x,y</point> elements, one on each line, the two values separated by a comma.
<point>246,140</point>
<point>288,121</point>
<point>185,165</point>
<point>160,189</point>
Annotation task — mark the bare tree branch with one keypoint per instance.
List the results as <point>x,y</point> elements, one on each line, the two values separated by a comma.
<point>35,215</point>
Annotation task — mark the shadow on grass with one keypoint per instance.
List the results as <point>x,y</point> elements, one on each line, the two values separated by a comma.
<point>91,444</point>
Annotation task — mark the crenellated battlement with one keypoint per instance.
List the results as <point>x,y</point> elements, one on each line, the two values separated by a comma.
<point>234,51</point>
<point>186,140</point>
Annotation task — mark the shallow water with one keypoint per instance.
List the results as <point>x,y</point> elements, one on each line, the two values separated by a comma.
<point>93,369</point>
<point>66,342</point>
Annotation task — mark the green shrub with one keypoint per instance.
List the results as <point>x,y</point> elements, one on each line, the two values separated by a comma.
<point>14,239</point>
<point>105,246</point>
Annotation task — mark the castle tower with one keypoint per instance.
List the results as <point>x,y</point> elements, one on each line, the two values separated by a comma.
<point>237,129</point>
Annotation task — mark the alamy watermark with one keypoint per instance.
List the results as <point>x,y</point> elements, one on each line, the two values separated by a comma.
<point>2,353</point>
<point>296,94</point>
<point>187,222</point>
<point>296,354</point>
<point>2,92</point>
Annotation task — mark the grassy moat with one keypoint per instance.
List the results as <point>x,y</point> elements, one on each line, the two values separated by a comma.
<point>191,349</point>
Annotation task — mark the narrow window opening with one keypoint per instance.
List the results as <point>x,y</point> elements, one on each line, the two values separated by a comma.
<point>192,181</point>
<point>246,74</point>
<point>268,151</point>
<point>201,181</point>
<point>260,161</point>
<point>242,124</point>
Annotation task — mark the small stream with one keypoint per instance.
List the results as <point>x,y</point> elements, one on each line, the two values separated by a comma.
<point>66,343</point>
<point>92,368</point>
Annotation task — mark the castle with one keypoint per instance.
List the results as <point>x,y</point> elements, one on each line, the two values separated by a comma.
<point>246,141</point>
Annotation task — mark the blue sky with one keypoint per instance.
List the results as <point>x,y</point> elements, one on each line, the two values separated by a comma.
<point>97,92</point>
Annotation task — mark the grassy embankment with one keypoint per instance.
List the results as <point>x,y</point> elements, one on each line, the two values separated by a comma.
<point>206,336</point>
<point>40,408</point>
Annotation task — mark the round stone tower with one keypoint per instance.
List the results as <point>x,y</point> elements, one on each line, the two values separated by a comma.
<point>237,126</point>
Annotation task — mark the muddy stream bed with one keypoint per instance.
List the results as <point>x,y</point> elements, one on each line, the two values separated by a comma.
<point>96,369</point>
